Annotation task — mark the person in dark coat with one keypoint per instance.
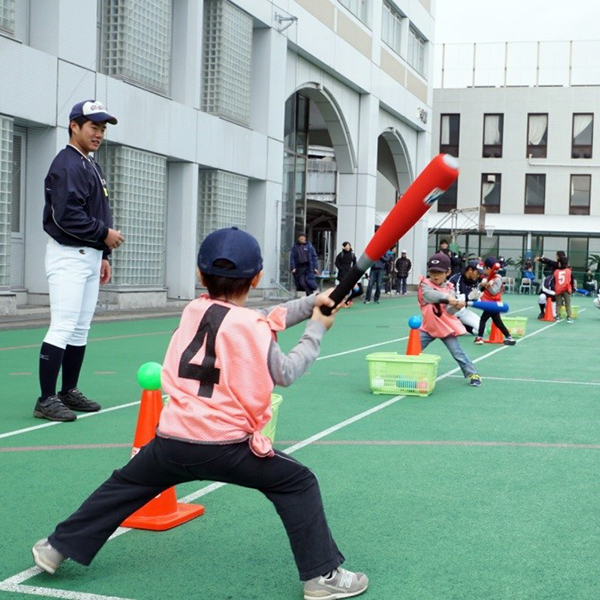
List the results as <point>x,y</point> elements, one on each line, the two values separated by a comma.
<point>344,261</point>
<point>303,264</point>
<point>403,267</point>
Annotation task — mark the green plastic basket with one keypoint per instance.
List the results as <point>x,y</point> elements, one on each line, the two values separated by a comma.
<point>269,428</point>
<point>393,373</point>
<point>517,326</point>
<point>574,311</point>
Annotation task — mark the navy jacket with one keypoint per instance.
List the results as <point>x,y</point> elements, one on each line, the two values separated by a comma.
<point>303,255</point>
<point>76,211</point>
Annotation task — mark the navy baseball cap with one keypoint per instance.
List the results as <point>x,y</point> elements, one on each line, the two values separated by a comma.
<point>439,262</point>
<point>92,110</point>
<point>490,261</point>
<point>234,245</point>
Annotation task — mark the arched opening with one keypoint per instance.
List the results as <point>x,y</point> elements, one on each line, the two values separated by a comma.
<point>394,172</point>
<point>317,147</point>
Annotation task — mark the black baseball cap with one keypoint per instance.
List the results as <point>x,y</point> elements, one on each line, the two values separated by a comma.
<point>439,262</point>
<point>473,264</point>
<point>93,111</point>
<point>234,245</point>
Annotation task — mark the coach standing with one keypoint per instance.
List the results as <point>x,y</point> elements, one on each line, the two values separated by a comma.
<point>78,219</point>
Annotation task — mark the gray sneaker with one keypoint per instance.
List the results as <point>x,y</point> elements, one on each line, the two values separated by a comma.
<point>340,584</point>
<point>53,409</point>
<point>75,400</point>
<point>46,557</point>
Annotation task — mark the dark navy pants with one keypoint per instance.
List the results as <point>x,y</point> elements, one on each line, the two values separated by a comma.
<point>162,463</point>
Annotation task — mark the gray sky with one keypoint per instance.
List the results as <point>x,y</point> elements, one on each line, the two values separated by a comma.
<point>516,20</point>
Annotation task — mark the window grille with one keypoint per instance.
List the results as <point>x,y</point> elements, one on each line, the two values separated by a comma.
<point>222,199</point>
<point>391,28</point>
<point>136,42</point>
<point>227,61</point>
<point>137,185</point>
<point>357,7</point>
<point>6,151</point>
<point>7,15</point>
<point>416,51</point>
<point>17,166</point>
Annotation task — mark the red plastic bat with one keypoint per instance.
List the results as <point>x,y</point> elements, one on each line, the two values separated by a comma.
<point>433,181</point>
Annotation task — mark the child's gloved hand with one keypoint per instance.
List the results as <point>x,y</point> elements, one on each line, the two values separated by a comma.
<point>475,294</point>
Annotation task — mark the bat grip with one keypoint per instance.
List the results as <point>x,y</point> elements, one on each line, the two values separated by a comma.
<point>343,288</point>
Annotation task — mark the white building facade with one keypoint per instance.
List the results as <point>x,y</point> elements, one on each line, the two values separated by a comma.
<point>522,119</point>
<point>220,106</point>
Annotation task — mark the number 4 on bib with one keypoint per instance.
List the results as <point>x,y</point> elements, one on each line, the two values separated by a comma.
<point>206,372</point>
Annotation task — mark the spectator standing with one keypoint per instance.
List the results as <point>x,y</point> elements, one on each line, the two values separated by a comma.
<point>403,267</point>
<point>344,261</point>
<point>388,278</point>
<point>376,279</point>
<point>454,262</point>
<point>303,264</point>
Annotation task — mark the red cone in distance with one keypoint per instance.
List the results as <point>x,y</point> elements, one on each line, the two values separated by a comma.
<point>163,511</point>
<point>496,336</point>
<point>548,312</point>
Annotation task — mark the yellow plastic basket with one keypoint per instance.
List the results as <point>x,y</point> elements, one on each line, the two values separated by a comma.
<point>574,311</point>
<point>269,428</point>
<point>393,373</point>
<point>517,326</point>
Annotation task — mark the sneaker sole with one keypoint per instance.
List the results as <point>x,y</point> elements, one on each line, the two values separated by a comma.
<point>40,415</point>
<point>47,567</point>
<point>337,595</point>
<point>81,409</point>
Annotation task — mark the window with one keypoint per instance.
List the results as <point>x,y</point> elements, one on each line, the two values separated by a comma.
<point>136,42</point>
<point>583,126</point>
<point>493,126</point>
<point>227,61</point>
<point>416,50</point>
<point>18,180</point>
<point>6,178</point>
<point>449,134</point>
<point>356,7</point>
<point>222,199</point>
<point>581,186</point>
<point>137,184</point>
<point>535,194</point>
<point>490,192</point>
<point>391,27</point>
<point>448,200</point>
<point>7,16</point>
<point>537,135</point>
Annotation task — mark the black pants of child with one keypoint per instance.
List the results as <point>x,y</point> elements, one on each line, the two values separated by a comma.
<point>496,319</point>
<point>162,463</point>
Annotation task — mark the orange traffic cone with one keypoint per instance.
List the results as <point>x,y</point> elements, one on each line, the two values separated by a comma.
<point>548,312</point>
<point>163,511</point>
<point>496,336</point>
<point>413,347</point>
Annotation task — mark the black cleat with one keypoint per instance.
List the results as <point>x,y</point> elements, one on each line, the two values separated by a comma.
<point>75,400</point>
<point>53,409</point>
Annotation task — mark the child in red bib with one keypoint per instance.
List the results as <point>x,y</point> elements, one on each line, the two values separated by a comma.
<point>563,287</point>
<point>435,295</point>
<point>492,287</point>
<point>219,371</point>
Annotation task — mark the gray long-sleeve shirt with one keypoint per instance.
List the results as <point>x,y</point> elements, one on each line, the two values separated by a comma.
<point>286,368</point>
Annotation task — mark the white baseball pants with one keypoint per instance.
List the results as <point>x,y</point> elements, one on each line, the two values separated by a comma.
<point>74,281</point>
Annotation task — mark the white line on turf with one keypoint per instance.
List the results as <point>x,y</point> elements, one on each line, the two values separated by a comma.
<point>12,584</point>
